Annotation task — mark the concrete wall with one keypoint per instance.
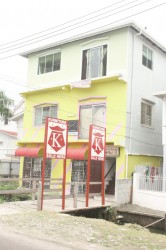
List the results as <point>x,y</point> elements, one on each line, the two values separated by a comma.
<point>142,83</point>
<point>7,145</point>
<point>71,59</point>
<point>9,168</point>
<point>149,199</point>
<point>123,191</point>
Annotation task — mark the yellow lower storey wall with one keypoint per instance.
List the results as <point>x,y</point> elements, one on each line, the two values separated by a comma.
<point>125,166</point>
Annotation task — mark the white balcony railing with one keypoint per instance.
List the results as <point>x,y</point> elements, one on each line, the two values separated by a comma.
<point>152,183</point>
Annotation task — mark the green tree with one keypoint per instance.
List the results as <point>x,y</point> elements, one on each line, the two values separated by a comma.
<point>5,107</point>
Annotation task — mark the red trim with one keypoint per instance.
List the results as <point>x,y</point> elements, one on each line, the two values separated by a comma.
<point>8,132</point>
<point>28,152</point>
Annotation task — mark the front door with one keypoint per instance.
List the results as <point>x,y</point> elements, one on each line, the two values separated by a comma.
<point>95,176</point>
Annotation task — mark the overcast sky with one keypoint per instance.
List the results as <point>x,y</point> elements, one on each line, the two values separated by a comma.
<point>44,18</point>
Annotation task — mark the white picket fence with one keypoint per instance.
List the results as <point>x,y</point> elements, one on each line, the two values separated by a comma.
<point>149,191</point>
<point>152,183</point>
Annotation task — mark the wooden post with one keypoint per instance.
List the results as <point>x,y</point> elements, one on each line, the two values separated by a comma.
<point>39,204</point>
<point>75,194</point>
<point>33,187</point>
<point>44,161</point>
<point>87,182</point>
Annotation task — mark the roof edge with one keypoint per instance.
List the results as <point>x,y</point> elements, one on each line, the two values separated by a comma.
<point>96,31</point>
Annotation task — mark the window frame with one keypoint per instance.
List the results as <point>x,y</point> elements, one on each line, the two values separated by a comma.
<point>92,106</point>
<point>45,57</point>
<point>43,117</point>
<point>86,66</point>
<point>145,119</point>
<point>147,57</point>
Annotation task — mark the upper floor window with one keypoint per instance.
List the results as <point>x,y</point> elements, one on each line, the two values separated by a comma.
<point>146,113</point>
<point>49,63</point>
<point>91,114</point>
<point>45,111</point>
<point>147,57</point>
<point>94,62</point>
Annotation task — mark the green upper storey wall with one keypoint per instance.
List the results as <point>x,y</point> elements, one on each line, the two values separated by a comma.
<point>71,58</point>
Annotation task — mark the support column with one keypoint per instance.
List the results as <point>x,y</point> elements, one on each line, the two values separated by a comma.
<point>164,144</point>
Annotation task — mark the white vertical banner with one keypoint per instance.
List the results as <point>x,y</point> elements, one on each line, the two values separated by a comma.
<point>56,143</point>
<point>98,143</point>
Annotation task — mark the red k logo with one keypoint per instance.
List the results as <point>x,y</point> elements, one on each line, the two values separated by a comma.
<point>97,143</point>
<point>56,139</point>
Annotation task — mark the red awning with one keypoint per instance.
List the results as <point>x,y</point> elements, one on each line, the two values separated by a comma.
<point>77,153</point>
<point>29,152</point>
<point>72,153</point>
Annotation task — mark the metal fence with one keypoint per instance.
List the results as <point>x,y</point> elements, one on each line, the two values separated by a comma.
<point>9,168</point>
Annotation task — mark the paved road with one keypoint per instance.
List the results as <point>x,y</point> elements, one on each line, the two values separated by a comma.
<point>10,240</point>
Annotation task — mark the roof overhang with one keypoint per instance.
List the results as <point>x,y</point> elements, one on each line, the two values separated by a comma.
<point>97,31</point>
<point>161,95</point>
<point>67,86</point>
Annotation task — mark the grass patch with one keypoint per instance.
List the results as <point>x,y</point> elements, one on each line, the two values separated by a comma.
<point>12,197</point>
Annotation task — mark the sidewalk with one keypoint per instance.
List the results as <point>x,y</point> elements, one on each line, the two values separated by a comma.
<point>140,210</point>
<point>54,205</point>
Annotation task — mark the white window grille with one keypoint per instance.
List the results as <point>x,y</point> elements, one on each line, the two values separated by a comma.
<point>146,113</point>
<point>42,112</point>
<point>91,114</point>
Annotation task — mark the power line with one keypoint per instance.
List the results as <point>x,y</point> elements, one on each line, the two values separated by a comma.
<point>70,29</point>
<point>77,36</point>
<point>108,123</point>
<point>62,24</point>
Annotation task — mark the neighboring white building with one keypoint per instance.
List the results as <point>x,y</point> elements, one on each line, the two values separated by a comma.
<point>18,118</point>
<point>11,126</point>
<point>9,164</point>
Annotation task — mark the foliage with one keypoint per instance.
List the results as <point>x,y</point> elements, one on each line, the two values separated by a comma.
<point>12,197</point>
<point>5,106</point>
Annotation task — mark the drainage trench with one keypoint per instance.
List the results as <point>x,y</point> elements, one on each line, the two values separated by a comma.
<point>152,222</point>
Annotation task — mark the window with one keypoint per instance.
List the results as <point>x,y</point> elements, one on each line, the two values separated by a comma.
<point>91,114</point>
<point>147,55</point>
<point>42,112</point>
<point>49,63</point>
<point>146,113</point>
<point>73,127</point>
<point>94,62</point>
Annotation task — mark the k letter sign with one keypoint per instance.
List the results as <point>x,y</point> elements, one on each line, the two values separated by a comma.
<point>56,138</point>
<point>97,143</point>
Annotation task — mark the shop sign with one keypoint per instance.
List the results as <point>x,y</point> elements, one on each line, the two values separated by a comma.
<point>112,151</point>
<point>56,138</point>
<point>97,143</point>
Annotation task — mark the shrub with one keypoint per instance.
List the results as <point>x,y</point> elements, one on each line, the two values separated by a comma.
<point>12,197</point>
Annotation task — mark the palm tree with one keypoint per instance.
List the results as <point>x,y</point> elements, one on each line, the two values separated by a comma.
<point>5,105</point>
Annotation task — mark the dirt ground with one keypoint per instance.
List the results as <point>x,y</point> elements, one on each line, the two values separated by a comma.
<point>83,232</point>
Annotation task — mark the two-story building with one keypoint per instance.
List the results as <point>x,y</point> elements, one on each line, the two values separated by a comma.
<point>105,78</point>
